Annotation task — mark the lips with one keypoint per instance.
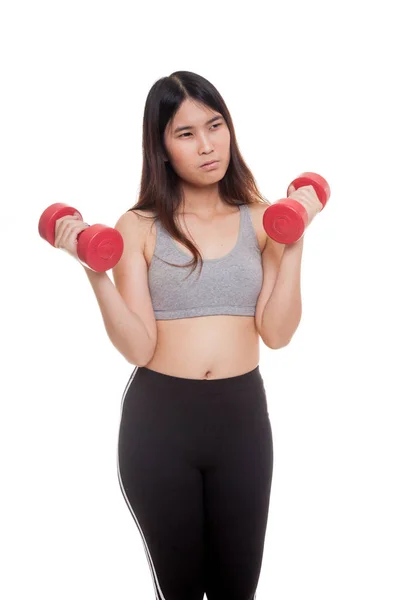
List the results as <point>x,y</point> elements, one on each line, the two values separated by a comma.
<point>209,163</point>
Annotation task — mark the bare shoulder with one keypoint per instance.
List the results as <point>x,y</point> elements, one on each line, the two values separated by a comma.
<point>134,226</point>
<point>257,210</point>
<point>258,207</point>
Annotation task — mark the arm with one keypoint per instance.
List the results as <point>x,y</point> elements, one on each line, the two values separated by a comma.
<point>279,309</point>
<point>125,328</point>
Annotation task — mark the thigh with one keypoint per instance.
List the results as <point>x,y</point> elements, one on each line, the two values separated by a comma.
<point>164,493</point>
<point>236,498</point>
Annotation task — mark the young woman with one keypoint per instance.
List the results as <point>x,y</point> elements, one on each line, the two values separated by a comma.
<point>195,451</point>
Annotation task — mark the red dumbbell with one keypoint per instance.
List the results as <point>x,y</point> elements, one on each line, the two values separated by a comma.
<point>99,247</point>
<point>285,220</point>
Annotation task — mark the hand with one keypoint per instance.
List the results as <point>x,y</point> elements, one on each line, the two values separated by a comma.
<point>67,230</point>
<point>307,196</point>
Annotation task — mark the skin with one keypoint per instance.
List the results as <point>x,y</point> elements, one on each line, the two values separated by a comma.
<point>214,346</point>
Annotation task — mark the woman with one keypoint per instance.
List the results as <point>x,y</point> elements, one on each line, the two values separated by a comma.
<point>195,451</point>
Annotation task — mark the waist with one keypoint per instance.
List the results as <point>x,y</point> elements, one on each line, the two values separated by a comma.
<point>189,385</point>
<point>209,347</point>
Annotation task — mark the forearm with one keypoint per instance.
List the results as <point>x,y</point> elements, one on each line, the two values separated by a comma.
<point>124,328</point>
<point>282,313</point>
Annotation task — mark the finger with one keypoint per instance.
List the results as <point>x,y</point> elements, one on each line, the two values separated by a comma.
<point>66,218</point>
<point>60,235</point>
<point>72,236</point>
<point>63,233</point>
<point>62,223</point>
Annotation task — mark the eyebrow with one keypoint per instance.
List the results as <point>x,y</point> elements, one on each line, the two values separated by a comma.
<point>191,127</point>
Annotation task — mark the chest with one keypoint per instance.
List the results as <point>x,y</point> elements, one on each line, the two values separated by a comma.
<point>214,238</point>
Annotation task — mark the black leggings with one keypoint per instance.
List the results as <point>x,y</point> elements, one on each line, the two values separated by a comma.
<point>195,461</point>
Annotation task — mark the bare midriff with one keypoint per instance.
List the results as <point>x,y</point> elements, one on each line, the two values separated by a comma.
<point>215,346</point>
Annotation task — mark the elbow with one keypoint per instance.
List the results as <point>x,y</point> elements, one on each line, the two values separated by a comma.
<point>142,362</point>
<point>137,361</point>
<point>282,337</point>
<point>278,340</point>
<point>142,359</point>
<point>276,344</point>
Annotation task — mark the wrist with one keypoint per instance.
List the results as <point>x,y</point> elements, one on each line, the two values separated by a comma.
<point>93,275</point>
<point>296,246</point>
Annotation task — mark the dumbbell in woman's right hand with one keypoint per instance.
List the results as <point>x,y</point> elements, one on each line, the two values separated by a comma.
<point>97,246</point>
<point>66,232</point>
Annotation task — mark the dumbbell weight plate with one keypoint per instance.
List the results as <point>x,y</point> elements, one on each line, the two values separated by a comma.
<point>100,247</point>
<point>47,221</point>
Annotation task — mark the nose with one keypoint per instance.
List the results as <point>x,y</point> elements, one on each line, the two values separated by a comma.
<point>205,146</point>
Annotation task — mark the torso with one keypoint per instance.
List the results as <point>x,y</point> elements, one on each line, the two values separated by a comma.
<point>216,346</point>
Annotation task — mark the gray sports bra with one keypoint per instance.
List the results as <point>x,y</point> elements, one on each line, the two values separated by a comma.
<point>229,285</point>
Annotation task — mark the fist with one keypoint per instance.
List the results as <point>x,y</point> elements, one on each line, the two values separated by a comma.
<point>67,230</point>
<point>307,196</point>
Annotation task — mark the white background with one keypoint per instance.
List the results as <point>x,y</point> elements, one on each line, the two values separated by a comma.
<point>311,86</point>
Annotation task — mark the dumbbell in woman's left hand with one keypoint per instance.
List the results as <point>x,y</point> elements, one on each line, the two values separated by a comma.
<point>285,220</point>
<point>307,196</point>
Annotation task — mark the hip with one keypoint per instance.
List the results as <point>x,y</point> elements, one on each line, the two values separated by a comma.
<point>200,423</point>
<point>170,409</point>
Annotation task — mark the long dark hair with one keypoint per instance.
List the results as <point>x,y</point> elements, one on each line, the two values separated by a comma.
<point>160,189</point>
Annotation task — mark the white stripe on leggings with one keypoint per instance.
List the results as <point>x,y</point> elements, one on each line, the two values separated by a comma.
<point>157,588</point>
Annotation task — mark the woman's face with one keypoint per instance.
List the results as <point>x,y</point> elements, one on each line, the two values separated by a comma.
<point>187,149</point>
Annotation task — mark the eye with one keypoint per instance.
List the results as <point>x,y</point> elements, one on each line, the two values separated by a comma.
<point>188,132</point>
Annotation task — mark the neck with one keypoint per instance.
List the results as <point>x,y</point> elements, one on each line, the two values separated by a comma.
<point>202,202</point>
